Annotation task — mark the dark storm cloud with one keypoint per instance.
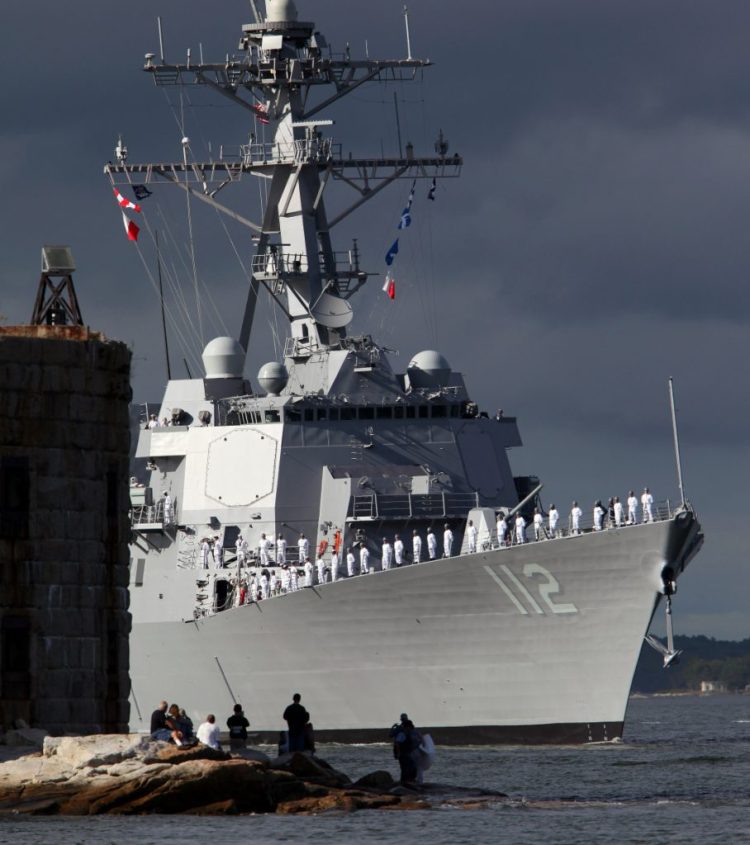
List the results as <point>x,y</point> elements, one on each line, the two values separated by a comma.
<point>595,244</point>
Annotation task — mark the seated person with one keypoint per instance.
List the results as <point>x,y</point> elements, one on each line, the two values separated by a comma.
<point>163,726</point>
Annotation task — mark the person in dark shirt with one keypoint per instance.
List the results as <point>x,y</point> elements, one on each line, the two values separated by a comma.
<point>158,718</point>
<point>163,726</point>
<point>238,726</point>
<point>296,718</point>
<point>406,739</point>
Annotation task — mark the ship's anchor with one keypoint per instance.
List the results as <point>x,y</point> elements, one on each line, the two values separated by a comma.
<point>667,652</point>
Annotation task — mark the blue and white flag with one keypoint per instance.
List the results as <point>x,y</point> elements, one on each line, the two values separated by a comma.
<point>392,253</point>
<point>433,188</point>
<point>405,221</point>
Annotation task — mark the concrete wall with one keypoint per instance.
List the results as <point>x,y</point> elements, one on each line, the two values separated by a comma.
<point>64,442</point>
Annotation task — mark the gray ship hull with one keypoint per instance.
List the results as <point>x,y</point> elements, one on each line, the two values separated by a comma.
<point>535,643</point>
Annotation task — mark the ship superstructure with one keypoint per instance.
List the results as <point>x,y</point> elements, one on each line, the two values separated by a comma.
<point>501,643</point>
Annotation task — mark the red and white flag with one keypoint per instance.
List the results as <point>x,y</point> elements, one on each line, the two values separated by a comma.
<point>261,112</point>
<point>124,202</point>
<point>390,286</point>
<point>131,230</point>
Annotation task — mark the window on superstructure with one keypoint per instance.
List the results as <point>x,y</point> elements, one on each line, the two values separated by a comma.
<point>309,415</point>
<point>424,412</point>
<point>292,415</point>
<point>398,412</point>
<point>384,413</point>
<point>348,413</point>
<point>455,411</point>
<point>322,413</point>
<point>272,416</point>
<point>410,412</point>
<point>367,413</point>
<point>439,411</point>
<point>333,414</point>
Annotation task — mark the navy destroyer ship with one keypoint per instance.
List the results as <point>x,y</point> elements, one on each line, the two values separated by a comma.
<point>496,642</point>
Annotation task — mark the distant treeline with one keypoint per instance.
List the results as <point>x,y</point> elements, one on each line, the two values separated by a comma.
<point>704,659</point>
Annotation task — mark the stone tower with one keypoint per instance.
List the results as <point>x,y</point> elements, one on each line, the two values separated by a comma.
<point>64,440</point>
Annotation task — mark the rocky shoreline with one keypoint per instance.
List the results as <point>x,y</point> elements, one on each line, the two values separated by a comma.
<point>132,774</point>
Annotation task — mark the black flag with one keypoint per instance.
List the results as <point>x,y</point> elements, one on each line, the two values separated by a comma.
<point>141,192</point>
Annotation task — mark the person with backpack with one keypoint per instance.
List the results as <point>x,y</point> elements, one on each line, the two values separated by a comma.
<point>238,725</point>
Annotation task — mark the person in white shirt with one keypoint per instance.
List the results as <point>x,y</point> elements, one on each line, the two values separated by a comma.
<point>520,529</point>
<point>538,525</point>
<point>647,503</point>
<point>308,573</point>
<point>168,515</point>
<point>294,579</point>
<point>416,546</point>
<point>447,541</point>
<point>218,552</point>
<point>398,550</point>
<point>387,554</point>
<point>321,565</point>
<point>263,547</point>
<point>575,519</point>
<point>618,512</point>
<point>364,559</point>
<point>471,534</point>
<point>241,549</point>
<point>431,544</point>
<point>554,518</point>
<point>632,508</point>
<point>205,550</point>
<point>285,580</point>
<point>303,549</point>
<point>153,422</point>
<point>265,586</point>
<point>350,562</point>
<point>334,566</point>
<point>502,529</point>
<point>281,550</point>
<point>598,516</point>
<point>208,732</point>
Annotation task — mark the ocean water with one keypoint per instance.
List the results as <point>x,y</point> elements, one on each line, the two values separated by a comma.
<point>682,774</point>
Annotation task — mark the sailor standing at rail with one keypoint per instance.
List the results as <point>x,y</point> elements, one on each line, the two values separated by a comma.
<point>447,541</point>
<point>293,579</point>
<point>647,503</point>
<point>501,527</point>
<point>520,529</point>
<point>308,573</point>
<point>416,546</point>
<point>575,519</point>
<point>471,533</point>
<point>632,508</point>
<point>538,525</point>
<point>303,548</point>
<point>265,586</point>
<point>598,515</point>
<point>205,549</point>
<point>241,549</point>
<point>167,516</point>
<point>281,550</point>
<point>334,565</point>
<point>618,512</point>
<point>285,579</point>
<point>321,566</point>
<point>387,556</point>
<point>398,550</point>
<point>554,518</point>
<point>431,544</point>
<point>218,552</point>
<point>364,559</point>
<point>350,562</point>
<point>263,549</point>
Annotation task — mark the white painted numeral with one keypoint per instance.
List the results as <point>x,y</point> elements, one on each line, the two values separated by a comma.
<point>548,588</point>
<point>516,590</point>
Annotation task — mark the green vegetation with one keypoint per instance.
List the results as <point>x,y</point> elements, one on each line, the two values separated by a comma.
<point>704,659</point>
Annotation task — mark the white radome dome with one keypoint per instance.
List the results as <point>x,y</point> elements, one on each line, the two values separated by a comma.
<point>428,369</point>
<point>272,377</point>
<point>223,357</point>
<point>281,10</point>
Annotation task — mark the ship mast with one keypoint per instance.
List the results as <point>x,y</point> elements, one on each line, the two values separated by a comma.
<point>286,60</point>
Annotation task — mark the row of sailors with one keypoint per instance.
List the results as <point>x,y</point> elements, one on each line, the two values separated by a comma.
<point>395,553</point>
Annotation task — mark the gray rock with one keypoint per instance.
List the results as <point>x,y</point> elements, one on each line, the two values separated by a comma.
<point>33,737</point>
<point>80,752</point>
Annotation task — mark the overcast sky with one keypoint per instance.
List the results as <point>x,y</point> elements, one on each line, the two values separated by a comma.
<point>595,245</point>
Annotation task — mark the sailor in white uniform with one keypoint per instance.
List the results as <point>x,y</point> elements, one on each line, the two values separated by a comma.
<point>321,566</point>
<point>647,503</point>
<point>263,550</point>
<point>218,552</point>
<point>575,519</point>
<point>398,550</point>
<point>520,529</point>
<point>350,562</point>
<point>364,559</point>
<point>618,512</point>
<point>431,544</point>
<point>308,573</point>
<point>447,541</point>
<point>554,518</point>
<point>167,506</point>
<point>293,579</point>
<point>416,546</point>
<point>286,581</point>
<point>501,527</point>
<point>265,587</point>
<point>281,550</point>
<point>241,549</point>
<point>303,549</point>
<point>471,534</point>
<point>538,525</point>
<point>387,554</point>
<point>205,550</point>
<point>632,508</point>
<point>334,565</point>
<point>598,516</point>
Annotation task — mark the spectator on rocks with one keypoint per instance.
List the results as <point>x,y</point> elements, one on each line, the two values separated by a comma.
<point>296,718</point>
<point>182,721</point>
<point>208,732</point>
<point>163,726</point>
<point>238,725</point>
<point>406,740</point>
